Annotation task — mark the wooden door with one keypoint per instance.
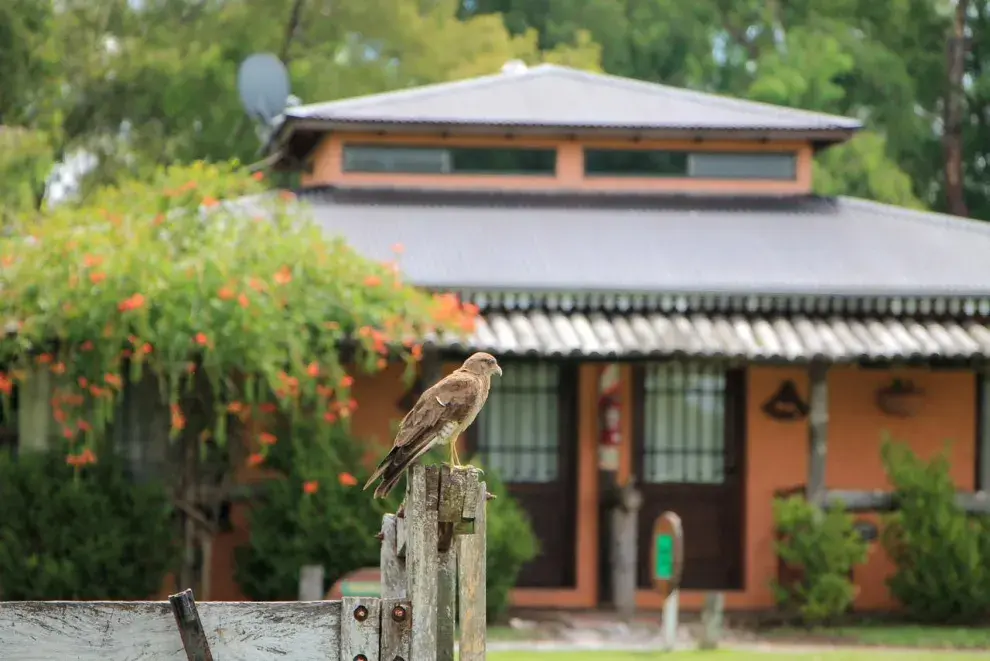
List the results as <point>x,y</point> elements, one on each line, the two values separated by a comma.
<point>690,452</point>
<point>527,434</point>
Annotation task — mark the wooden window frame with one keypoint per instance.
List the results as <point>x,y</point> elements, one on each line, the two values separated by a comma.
<point>550,173</point>
<point>688,155</point>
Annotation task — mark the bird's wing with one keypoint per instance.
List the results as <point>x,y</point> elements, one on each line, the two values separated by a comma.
<point>440,412</point>
<point>447,402</point>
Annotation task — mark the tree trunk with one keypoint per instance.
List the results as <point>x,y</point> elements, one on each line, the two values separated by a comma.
<point>954,106</point>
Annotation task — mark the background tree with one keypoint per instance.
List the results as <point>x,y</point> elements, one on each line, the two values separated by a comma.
<point>139,85</point>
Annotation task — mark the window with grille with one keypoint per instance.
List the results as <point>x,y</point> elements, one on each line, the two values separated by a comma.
<point>687,164</point>
<point>519,430</point>
<point>686,419</point>
<point>449,160</point>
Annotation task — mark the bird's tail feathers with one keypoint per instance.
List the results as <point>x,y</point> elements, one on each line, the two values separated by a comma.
<point>399,459</point>
<point>382,467</point>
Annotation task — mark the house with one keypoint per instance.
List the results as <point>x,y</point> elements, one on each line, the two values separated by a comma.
<point>671,304</point>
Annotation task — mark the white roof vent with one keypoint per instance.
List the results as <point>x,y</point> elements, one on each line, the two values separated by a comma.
<point>513,67</point>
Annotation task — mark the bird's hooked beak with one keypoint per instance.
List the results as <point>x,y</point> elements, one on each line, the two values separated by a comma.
<point>498,369</point>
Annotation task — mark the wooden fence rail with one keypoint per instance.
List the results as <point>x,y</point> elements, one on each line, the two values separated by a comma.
<point>432,566</point>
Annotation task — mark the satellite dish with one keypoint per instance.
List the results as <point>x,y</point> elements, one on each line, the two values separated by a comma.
<point>263,84</point>
<point>514,67</point>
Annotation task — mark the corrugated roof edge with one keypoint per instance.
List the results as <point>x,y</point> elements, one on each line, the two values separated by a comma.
<point>312,111</point>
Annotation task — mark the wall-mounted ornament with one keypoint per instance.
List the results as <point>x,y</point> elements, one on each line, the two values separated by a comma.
<point>786,404</point>
<point>900,398</point>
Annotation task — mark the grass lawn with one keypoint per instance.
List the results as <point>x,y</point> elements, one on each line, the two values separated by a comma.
<point>725,655</point>
<point>892,636</point>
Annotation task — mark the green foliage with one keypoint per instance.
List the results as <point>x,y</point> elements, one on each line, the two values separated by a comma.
<point>333,526</point>
<point>164,277</point>
<point>941,553</point>
<point>26,160</point>
<point>98,536</point>
<point>862,168</point>
<point>511,544</point>
<point>824,547</point>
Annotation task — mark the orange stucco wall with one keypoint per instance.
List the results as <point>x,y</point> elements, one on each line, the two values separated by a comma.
<point>776,459</point>
<point>327,166</point>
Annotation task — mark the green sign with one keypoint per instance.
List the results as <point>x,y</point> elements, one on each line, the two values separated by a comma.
<point>663,567</point>
<point>361,589</point>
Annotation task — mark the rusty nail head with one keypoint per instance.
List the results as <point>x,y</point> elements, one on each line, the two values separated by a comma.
<point>360,657</point>
<point>398,658</point>
<point>360,614</point>
<point>399,613</point>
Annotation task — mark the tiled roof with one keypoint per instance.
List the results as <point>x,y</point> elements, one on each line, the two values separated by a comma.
<point>660,244</point>
<point>597,335</point>
<point>551,96</point>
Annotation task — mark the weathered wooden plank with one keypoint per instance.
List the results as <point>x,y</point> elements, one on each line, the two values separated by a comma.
<point>360,627</point>
<point>422,502</point>
<point>191,631</point>
<point>625,545</point>
<point>469,510</point>
<point>311,583</point>
<point>451,495</point>
<point>396,642</point>
<point>447,603</point>
<point>884,501</point>
<point>472,559</point>
<point>393,569</point>
<point>817,432</point>
<point>400,537</point>
<point>146,631</point>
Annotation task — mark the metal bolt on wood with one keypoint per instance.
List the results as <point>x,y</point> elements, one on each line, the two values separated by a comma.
<point>360,657</point>
<point>398,613</point>
<point>360,613</point>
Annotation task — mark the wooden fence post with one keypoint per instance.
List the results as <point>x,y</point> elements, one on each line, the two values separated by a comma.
<point>625,544</point>
<point>311,583</point>
<point>472,560</point>
<point>422,500</point>
<point>439,547</point>
<point>711,620</point>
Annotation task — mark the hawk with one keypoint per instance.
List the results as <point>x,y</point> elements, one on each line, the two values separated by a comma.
<point>441,414</point>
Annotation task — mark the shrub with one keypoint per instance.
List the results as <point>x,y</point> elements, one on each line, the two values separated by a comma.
<point>511,544</point>
<point>823,547</point>
<point>318,514</point>
<point>940,552</point>
<point>90,534</point>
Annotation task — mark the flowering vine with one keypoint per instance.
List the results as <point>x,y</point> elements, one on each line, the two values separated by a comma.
<point>202,274</point>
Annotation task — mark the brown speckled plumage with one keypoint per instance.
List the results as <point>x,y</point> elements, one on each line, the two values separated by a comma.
<point>441,414</point>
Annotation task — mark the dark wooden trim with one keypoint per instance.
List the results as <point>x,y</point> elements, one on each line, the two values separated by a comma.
<point>885,501</point>
<point>932,363</point>
<point>736,441</point>
<point>738,388</point>
<point>981,425</point>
